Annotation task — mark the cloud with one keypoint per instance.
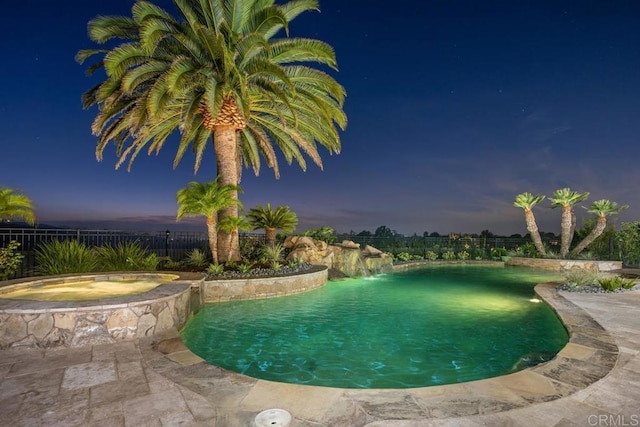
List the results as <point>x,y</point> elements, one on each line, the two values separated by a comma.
<point>541,126</point>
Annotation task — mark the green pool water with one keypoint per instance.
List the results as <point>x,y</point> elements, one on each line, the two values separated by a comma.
<point>436,325</point>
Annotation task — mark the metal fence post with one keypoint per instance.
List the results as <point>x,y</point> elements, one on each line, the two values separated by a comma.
<point>166,243</point>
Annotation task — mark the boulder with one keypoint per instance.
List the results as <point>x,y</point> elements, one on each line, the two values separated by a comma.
<point>348,261</point>
<point>311,256</point>
<point>296,242</point>
<point>379,264</point>
<point>370,251</point>
<point>321,245</point>
<point>348,244</point>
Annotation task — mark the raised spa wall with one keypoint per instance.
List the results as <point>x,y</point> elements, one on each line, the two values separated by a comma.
<point>28,323</point>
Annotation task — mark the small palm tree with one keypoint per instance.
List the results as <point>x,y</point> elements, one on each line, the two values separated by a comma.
<point>602,208</point>
<point>271,220</point>
<point>527,201</point>
<point>566,198</point>
<point>15,205</point>
<point>206,199</point>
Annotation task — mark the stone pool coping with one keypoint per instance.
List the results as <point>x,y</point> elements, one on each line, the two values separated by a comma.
<point>589,356</point>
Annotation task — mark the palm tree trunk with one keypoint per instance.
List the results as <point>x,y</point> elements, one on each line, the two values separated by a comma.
<point>225,144</point>
<point>270,235</point>
<point>572,233</point>
<point>213,238</point>
<point>565,236</point>
<point>601,224</point>
<point>533,230</point>
<point>234,246</point>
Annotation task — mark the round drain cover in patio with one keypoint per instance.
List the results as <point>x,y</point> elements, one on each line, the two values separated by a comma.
<point>273,418</point>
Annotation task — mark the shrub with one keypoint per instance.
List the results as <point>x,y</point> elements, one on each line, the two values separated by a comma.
<point>628,239</point>
<point>272,253</point>
<point>245,267</point>
<point>326,234</point>
<point>150,263</point>
<point>251,248</point>
<point>215,269</point>
<point>168,264</point>
<point>125,257</point>
<point>65,256</point>
<point>478,253</point>
<point>197,258</point>
<point>517,251</point>
<point>293,263</point>
<point>497,253</point>
<point>10,259</point>
<point>552,254</point>
<point>431,256</point>
<point>276,266</point>
<point>464,255</point>
<point>580,278</point>
<point>609,283</point>
<point>403,256</point>
<point>614,283</point>
<point>448,255</point>
<point>529,250</point>
<point>587,255</point>
<point>628,283</point>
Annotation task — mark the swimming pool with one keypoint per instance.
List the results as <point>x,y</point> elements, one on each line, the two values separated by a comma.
<point>432,326</point>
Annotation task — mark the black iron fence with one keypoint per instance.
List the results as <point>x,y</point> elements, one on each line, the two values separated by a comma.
<point>475,247</point>
<point>172,244</point>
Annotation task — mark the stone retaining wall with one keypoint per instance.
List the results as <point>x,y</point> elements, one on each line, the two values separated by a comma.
<point>241,289</point>
<point>426,263</point>
<point>26,323</point>
<point>564,264</point>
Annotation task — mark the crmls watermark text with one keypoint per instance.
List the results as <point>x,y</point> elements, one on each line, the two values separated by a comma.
<point>614,420</point>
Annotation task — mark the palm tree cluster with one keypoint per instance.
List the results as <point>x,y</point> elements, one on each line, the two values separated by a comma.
<point>209,198</point>
<point>215,71</point>
<point>567,199</point>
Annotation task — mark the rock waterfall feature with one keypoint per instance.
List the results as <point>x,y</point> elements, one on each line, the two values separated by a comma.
<point>346,257</point>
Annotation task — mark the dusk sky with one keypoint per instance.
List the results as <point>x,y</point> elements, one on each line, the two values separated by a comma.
<point>454,108</point>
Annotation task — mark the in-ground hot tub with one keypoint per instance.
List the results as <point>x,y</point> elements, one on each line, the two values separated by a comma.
<point>144,304</point>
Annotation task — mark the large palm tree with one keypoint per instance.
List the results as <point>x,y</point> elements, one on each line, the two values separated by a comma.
<point>271,220</point>
<point>16,205</point>
<point>566,198</point>
<point>215,70</point>
<point>230,225</point>
<point>602,208</point>
<point>527,201</point>
<point>206,199</point>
